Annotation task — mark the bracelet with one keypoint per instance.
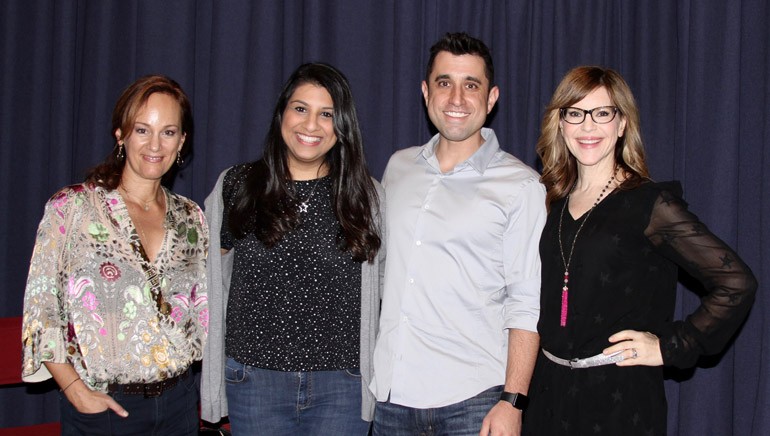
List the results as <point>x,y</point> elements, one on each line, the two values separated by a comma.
<point>70,384</point>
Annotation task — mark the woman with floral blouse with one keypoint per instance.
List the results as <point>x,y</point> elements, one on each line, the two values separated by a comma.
<point>115,307</point>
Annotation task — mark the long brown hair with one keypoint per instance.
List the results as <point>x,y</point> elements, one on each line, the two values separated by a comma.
<point>559,166</point>
<point>108,173</point>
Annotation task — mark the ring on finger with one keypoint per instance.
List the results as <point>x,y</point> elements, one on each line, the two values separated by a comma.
<point>634,354</point>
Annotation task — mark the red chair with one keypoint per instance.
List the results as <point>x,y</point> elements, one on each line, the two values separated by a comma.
<point>10,375</point>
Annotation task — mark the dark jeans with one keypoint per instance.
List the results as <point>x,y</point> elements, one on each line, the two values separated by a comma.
<point>459,419</point>
<point>175,412</point>
<point>265,402</point>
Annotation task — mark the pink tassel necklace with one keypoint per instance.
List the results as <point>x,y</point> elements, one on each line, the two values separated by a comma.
<point>566,261</point>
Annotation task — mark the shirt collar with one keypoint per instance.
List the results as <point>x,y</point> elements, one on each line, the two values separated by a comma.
<point>479,160</point>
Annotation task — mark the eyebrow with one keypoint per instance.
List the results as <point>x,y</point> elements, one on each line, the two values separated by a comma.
<point>148,125</point>
<point>468,78</point>
<point>306,104</point>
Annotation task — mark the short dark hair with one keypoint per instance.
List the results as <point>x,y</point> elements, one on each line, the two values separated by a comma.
<point>462,44</point>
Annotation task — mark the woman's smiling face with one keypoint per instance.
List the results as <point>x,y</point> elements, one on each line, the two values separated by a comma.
<point>307,127</point>
<point>590,142</point>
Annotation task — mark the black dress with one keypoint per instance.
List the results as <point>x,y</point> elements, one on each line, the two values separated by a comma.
<point>623,275</point>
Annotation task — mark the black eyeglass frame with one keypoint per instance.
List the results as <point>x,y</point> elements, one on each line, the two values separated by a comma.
<point>563,113</point>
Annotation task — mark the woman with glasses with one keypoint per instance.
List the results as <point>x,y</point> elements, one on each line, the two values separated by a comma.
<point>610,250</point>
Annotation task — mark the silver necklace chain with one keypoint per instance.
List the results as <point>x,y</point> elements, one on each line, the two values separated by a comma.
<point>303,205</point>
<point>566,261</point>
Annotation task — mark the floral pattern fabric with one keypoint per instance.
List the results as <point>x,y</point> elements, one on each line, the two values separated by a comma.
<point>94,300</point>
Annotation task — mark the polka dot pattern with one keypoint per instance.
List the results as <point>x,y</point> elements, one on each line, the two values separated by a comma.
<point>296,307</point>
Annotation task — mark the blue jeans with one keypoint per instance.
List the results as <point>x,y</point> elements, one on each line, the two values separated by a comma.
<point>267,402</point>
<point>175,412</point>
<point>459,419</point>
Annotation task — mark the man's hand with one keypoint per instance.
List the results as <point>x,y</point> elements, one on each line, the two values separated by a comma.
<point>502,420</point>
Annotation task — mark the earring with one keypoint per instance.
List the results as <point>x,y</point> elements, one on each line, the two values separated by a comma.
<point>179,160</point>
<point>120,154</point>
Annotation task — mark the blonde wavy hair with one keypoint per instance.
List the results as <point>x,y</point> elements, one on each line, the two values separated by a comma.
<point>559,166</point>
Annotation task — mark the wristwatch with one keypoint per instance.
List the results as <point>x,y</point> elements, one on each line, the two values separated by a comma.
<point>517,400</point>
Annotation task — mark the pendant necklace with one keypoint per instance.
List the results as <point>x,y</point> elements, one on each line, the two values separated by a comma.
<point>303,205</point>
<point>566,261</point>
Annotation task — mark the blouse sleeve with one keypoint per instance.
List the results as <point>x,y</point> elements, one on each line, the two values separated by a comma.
<point>44,326</point>
<point>679,235</point>
<point>199,295</point>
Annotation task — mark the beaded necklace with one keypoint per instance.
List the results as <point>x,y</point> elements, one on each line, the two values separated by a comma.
<point>566,261</point>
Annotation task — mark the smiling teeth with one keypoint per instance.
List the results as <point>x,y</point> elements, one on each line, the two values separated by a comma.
<point>456,114</point>
<point>308,138</point>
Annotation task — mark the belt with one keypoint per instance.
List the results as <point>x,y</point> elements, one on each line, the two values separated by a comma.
<point>149,390</point>
<point>588,362</point>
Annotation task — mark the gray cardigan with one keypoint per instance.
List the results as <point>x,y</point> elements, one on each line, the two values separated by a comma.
<point>218,270</point>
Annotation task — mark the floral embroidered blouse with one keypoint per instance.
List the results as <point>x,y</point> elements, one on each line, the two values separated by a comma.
<point>94,300</point>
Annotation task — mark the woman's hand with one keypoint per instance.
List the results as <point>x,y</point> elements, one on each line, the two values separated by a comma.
<point>87,401</point>
<point>79,395</point>
<point>638,348</point>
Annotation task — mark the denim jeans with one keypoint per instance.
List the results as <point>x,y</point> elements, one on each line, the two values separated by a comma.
<point>267,402</point>
<point>175,412</point>
<point>459,419</point>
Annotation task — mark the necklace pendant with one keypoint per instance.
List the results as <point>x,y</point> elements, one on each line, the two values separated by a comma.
<point>564,300</point>
<point>146,207</point>
<point>303,207</point>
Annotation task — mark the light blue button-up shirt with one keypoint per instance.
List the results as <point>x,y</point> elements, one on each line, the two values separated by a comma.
<point>463,267</point>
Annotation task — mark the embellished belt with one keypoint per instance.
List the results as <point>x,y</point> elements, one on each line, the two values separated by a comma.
<point>588,362</point>
<point>149,390</point>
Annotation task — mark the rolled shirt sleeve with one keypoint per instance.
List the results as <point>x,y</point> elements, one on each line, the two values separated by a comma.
<point>521,258</point>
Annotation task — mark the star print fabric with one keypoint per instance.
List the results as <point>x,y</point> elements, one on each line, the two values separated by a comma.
<point>624,276</point>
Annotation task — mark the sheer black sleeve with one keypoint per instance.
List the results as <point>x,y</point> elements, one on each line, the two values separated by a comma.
<point>678,235</point>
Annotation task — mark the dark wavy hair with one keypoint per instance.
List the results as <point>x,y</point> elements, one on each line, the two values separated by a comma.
<point>462,44</point>
<point>265,204</point>
<point>559,165</point>
<point>108,173</point>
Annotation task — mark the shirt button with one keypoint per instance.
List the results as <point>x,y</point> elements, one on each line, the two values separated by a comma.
<point>411,280</point>
<point>418,243</point>
<point>426,207</point>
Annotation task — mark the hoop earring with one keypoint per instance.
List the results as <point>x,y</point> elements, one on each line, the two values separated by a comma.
<point>179,160</point>
<point>119,156</point>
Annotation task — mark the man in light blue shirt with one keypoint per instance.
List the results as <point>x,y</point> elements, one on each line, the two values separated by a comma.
<point>458,339</point>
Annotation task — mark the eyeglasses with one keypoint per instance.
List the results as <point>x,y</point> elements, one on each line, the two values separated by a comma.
<point>600,115</point>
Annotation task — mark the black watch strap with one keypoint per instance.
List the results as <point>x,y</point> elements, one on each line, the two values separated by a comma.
<point>517,400</point>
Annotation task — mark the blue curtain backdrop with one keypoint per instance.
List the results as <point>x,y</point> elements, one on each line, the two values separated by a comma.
<point>699,70</point>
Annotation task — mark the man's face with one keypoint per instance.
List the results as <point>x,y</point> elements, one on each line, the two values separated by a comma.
<point>458,97</point>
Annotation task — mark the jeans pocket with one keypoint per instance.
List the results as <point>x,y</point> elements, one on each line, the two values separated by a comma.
<point>86,415</point>
<point>189,382</point>
<point>353,372</point>
<point>234,372</point>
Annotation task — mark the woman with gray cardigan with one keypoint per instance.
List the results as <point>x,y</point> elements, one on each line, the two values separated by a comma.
<point>294,272</point>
